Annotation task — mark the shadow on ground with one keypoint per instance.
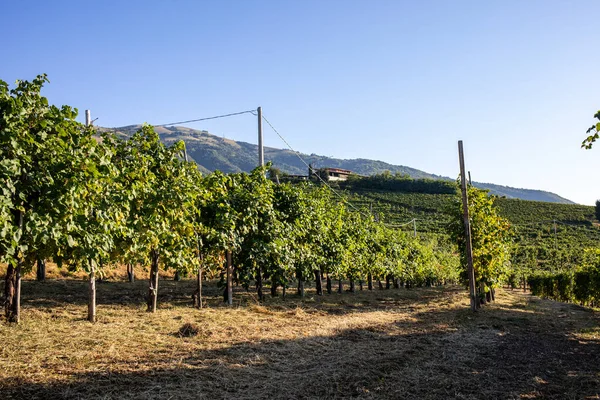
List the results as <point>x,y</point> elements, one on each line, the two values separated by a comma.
<point>54,294</point>
<point>502,352</point>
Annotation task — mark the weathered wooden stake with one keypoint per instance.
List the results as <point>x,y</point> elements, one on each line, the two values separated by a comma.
<point>92,294</point>
<point>469,249</point>
<point>17,309</point>
<point>229,278</point>
<point>197,296</point>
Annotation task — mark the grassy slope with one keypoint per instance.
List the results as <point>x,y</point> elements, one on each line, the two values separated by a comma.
<point>388,344</point>
<point>575,223</point>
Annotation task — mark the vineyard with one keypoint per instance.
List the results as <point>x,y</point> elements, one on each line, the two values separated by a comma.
<point>90,201</point>
<point>254,280</point>
<point>554,235</point>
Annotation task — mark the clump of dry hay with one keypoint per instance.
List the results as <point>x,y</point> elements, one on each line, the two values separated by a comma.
<point>188,330</point>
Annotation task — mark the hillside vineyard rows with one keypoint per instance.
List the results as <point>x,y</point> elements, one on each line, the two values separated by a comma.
<point>554,250</point>
<point>90,201</point>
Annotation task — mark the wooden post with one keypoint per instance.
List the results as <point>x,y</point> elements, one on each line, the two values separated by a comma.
<point>229,278</point>
<point>199,279</point>
<point>92,274</point>
<point>469,249</point>
<point>92,294</point>
<point>261,154</point>
<point>18,296</point>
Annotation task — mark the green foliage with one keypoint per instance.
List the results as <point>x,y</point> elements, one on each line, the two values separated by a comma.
<point>44,157</point>
<point>597,210</point>
<point>490,237</point>
<point>159,192</point>
<point>592,133</point>
<point>531,222</point>
<point>398,182</point>
<point>581,285</point>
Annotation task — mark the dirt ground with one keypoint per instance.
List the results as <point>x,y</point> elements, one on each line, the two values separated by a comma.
<point>385,344</point>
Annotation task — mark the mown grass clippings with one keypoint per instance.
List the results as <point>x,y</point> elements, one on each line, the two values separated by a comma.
<point>419,343</point>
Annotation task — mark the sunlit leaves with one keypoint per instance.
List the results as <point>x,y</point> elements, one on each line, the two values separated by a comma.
<point>593,133</point>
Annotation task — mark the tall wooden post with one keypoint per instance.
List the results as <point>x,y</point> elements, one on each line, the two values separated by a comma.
<point>469,249</point>
<point>261,152</point>
<point>92,274</point>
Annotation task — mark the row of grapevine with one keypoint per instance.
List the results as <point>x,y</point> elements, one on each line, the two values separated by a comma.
<point>90,200</point>
<point>581,285</point>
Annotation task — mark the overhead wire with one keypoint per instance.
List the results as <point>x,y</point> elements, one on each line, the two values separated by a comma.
<point>344,199</point>
<point>253,112</point>
<point>208,118</point>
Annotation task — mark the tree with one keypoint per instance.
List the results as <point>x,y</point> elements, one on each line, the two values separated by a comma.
<point>593,133</point>
<point>597,210</point>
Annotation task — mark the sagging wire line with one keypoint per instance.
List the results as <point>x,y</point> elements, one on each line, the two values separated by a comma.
<point>406,223</point>
<point>344,200</point>
<point>208,118</point>
<point>310,168</point>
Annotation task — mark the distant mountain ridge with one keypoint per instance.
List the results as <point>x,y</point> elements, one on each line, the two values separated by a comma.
<point>212,153</point>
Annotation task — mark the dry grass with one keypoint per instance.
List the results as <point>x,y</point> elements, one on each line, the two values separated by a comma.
<point>395,344</point>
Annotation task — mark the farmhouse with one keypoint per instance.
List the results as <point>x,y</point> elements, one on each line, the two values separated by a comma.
<point>333,174</point>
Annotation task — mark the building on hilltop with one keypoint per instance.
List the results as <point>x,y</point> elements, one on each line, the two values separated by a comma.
<point>329,174</point>
<point>326,174</point>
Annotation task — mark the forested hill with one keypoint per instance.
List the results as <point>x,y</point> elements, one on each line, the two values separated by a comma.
<point>212,153</point>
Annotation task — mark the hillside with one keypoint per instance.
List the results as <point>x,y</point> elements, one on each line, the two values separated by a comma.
<point>212,153</point>
<point>533,223</point>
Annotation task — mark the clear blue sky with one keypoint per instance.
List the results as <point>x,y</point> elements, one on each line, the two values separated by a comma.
<point>398,81</point>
